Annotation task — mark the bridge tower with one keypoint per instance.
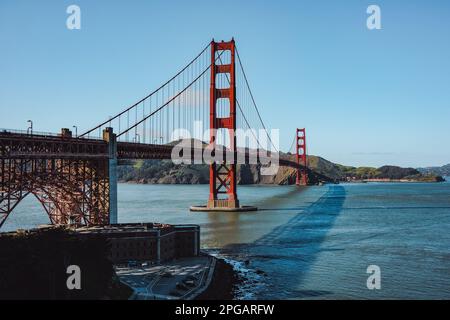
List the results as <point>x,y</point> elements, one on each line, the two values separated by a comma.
<point>300,157</point>
<point>110,137</point>
<point>222,176</point>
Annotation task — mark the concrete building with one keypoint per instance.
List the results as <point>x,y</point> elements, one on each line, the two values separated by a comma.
<point>150,242</point>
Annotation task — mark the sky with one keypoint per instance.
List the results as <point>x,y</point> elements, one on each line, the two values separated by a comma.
<point>366,97</point>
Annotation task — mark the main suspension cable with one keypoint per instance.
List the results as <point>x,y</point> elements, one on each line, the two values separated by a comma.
<point>253,99</point>
<point>148,96</point>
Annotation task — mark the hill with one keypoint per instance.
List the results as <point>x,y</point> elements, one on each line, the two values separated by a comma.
<point>322,170</point>
<point>347,173</point>
<point>441,171</point>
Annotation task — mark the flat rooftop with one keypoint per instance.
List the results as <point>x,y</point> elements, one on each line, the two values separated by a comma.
<point>132,228</point>
<point>122,228</point>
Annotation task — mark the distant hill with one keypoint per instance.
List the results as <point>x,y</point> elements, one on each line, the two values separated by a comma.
<point>166,172</point>
<point>441,171</point>
<point>321,170</point>
<point>347,173</point>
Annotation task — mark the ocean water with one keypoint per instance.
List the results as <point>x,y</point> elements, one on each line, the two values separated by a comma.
<point>309,243</point>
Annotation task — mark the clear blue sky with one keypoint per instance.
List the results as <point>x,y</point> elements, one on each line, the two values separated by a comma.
<point>366,97</point>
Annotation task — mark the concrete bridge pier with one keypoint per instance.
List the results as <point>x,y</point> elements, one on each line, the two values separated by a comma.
<point>110,137</point>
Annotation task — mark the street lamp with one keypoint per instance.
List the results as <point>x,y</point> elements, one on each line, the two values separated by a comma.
<point>76,131</point>
<point>30,128</point>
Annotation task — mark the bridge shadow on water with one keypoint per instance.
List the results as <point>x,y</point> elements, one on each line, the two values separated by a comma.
<point>288,252</point>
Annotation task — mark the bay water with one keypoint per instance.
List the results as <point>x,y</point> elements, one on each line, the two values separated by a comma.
<point>308,242</point>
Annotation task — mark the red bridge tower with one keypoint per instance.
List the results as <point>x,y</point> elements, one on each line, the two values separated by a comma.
<point>300,156</point>
<point>222,176</point>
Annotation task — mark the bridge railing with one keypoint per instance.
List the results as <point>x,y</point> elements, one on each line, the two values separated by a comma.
<point>36,133</point>
<point>43,134</point>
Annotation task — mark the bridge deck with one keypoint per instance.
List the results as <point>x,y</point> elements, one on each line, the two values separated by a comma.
<point>22,145</point>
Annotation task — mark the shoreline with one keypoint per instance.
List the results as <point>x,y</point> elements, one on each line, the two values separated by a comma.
<point>223,283</point>
<point>284,185</point>
<point>393,181</point>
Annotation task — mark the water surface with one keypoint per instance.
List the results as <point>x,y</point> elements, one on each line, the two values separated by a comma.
<point>314,242</point>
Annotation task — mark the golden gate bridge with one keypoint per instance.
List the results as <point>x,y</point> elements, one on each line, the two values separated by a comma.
<point>75,177</point>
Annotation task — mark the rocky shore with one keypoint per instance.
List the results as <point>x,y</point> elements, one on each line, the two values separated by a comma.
<point>223,283</point>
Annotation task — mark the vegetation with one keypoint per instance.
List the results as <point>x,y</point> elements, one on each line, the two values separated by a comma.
<point>165,172</point>
<point>342,173</point>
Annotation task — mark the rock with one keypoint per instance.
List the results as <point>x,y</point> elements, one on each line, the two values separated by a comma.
<point>260,272</point>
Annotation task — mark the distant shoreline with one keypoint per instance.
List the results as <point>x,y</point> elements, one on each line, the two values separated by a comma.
<point>394,181</point>
<point>321,171</point>
<point>274,184</point>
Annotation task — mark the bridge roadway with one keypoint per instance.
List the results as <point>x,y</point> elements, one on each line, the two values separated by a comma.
<point>18,145</point>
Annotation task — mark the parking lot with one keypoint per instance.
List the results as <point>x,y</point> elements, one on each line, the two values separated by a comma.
<point>180,279</point>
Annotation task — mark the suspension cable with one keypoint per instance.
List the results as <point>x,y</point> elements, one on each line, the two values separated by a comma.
<point>168,102</point>
<point>253,99</point>
<point>145,98</point>
<point>292,144</point>
<point>243,115</point>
